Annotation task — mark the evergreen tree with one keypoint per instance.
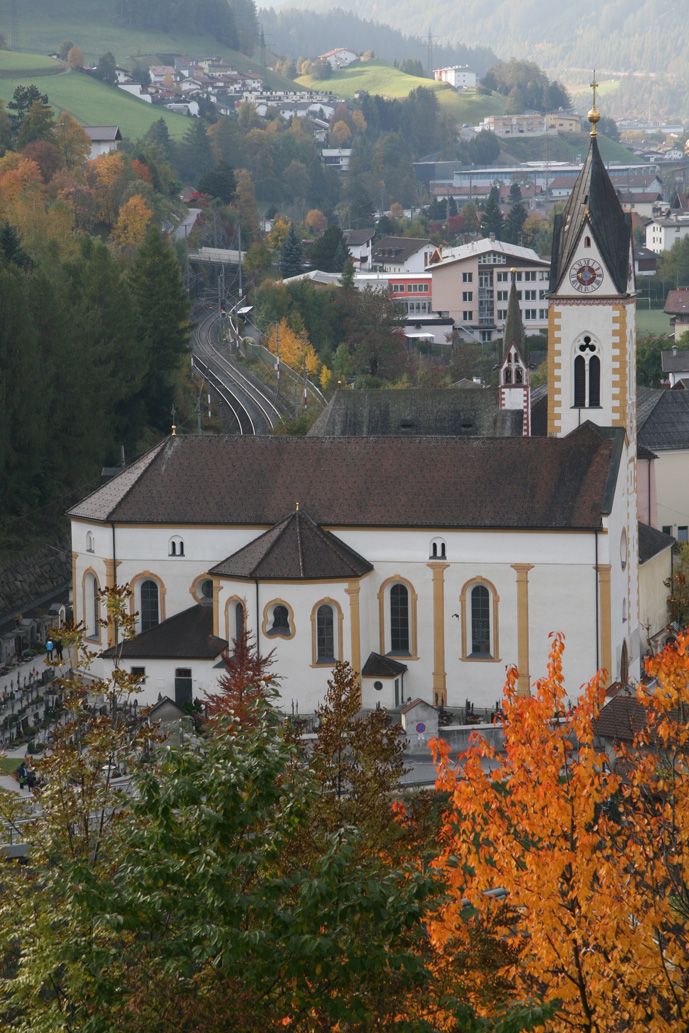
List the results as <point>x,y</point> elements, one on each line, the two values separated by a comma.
<point>219,182</point>
<point>491,218</point>
<point>5,129</point>
<point>11,250</point>
<point>291,254</point>
<point>326,248</point>
<point>340,257</point>
<point>194,154</point>
<point>155,281</point>
<point>22,99</point>
<point>515,193</point>
<point>515,221</point>
<point>106,69</point>
<point>159,134</point>
<point>347,278</point>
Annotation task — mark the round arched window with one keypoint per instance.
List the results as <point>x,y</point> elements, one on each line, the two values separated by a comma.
<point>623,548</point>
<point>206,590</point>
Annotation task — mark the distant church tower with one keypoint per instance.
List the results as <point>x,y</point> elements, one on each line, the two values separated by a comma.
<point>592,351</point>
<point>515,392</point>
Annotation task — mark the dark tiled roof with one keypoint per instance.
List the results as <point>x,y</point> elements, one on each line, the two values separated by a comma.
<point>296,548</point>
<point>652,541</point>
<point>357,238</point>
<point>665,424</point>
<point>593,196</point>
<point>539,411</point>
<point>397,249</point>
<point>513,333</point>
<point>464,412</point>
<point>186,636</point>
<point>378,666</point>
<point>675,361</point>
<point>102,133</point>
<point>644,453</point>
<point>372,481</point>
<point>621,719</point>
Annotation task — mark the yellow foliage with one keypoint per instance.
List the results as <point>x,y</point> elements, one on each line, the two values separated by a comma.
<point>10,160</point>
<point>316,221</point>
<point>294,346</point>
<point>132,223</point>
<point>358,121</point>
<point>71,140</point>
<point>340,133</point>
<point>276,237</point>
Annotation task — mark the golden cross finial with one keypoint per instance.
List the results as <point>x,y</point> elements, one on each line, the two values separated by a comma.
<point>594,114</point>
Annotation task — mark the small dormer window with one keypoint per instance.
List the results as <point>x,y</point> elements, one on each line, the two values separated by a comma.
<point>437,549</point>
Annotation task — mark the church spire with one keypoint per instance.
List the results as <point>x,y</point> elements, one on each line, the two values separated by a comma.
<point>513,334</point>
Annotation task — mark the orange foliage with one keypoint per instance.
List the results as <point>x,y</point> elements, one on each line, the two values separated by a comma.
<point>104,175</point>
<point>596,867</point>
<point>14,182</point>
<point>141,170</point>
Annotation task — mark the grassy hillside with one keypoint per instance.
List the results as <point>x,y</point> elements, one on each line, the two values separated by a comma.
<point>92,103</point>
<point>44,24</point>
<point>13,64</point>
<point>381,78</point>
<point>564,147</point>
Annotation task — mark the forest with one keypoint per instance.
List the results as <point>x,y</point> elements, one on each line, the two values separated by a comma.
<point>232,22</point>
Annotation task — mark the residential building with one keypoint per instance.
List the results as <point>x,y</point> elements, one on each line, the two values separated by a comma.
<point>337,157</point>
<point>341,57</point>
<point>458,76</point>
<point>472,283</point>
<point>104,139</point>
<point>360,246</point>
<point>402,254</point>
<point>662,233</point>
<point>663,428</point>
<point>677,307</point>
<point>563,122</point>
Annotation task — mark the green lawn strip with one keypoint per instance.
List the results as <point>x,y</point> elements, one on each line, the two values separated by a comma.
<point>15,63</point>
<point>94,104</point>
<point>8,765</point>
<point>651,321</point>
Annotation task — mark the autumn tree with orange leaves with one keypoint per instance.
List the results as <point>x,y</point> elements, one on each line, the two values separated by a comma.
<point>594,863</point>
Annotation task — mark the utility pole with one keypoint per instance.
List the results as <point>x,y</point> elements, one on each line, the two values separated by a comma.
<point>15,26</point>
<point>430,54</point>
<point>277,356</point>
<point>239,231</point>
<point>306,396</point>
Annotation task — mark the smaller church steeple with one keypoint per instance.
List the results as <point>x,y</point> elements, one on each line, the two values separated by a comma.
<point>515,390</point>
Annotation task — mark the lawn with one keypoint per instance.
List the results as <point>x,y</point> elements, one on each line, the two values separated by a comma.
<point>8,765</point>
<point>94,104</point>
<point>90,24</point>
<point>15,63</point>
<point>378,77</point>
<point>651,321</point>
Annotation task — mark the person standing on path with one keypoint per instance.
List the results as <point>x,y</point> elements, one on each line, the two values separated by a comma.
<point>49,646</point>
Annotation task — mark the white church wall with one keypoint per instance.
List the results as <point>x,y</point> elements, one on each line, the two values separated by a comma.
<point>160,677</point>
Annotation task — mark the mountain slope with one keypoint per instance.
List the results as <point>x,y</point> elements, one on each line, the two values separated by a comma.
<point>645,35</point>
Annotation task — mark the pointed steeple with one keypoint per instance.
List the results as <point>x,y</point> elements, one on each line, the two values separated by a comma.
<point>593,201</point>
<point>513,334</point>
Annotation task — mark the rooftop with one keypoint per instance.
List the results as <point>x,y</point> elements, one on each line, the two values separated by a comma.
<point>663,419</point>
<point>186,636</point>
<point>488,246</point>
<point>415,481</point>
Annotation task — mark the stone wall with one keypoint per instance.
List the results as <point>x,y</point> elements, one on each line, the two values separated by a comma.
<point>29,578</point>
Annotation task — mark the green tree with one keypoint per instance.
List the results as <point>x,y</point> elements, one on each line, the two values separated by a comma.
<point>649,371</point>
<point>22,99</point>
<point>514,223</point>
<point>156,284</point>
<point>37,124</point>
<point>292,254</point>
<point>65,48</point>
<point>491,217</point>
<point>324,250</point>
<point>106,69</point>
<point>11,250</point>
<point>194,155</point>
<point>5,129</point>
<point>218,181</point>
<point>373,330</point>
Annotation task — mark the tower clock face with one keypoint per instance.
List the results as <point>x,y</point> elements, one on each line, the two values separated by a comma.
<point>586,276</point>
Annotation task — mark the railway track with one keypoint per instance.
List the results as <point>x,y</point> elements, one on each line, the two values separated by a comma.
<point>252,410</point>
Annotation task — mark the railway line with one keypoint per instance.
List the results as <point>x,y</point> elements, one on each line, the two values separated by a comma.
<point>251,408</point>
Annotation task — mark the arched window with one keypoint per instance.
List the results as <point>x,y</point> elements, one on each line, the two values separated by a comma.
<point>587,375</point>
<point>90,543</point>
<point>206,590</point>
<point>325,633</point>
<point>624,664</point>
<point>150,607</point>
<point>399,619</point>
<point>437,549</point>
<point>508,375</point>
<point>239,621</point>
<point>176,546</point>
<point>91,606</point>
<point>480,621</point>
<point>479,602</point>
<point>518,375</point>
<point>587,242</point>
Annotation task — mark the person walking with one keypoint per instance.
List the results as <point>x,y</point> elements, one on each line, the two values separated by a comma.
<point>49,647</point>
<point>58,649</point>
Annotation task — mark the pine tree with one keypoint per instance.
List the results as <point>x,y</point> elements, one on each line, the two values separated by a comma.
<point>491,218</point>
<point>291,254</point>
<point>155,282</point>
<point>340,257</point>
<point>514,223</point>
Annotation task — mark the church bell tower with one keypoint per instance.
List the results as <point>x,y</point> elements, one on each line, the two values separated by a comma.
<point>592,312</point>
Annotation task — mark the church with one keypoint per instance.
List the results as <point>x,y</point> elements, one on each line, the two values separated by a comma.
<point>430,562</point>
